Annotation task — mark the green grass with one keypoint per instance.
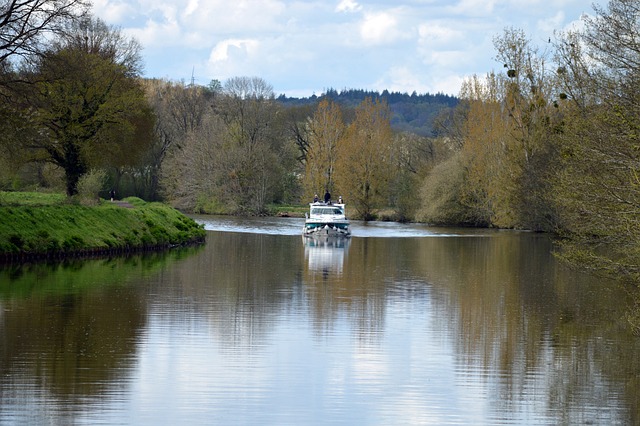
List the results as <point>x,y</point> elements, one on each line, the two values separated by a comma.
<point>31,198</point>
<point>288,210</point>
<point>36,224</point>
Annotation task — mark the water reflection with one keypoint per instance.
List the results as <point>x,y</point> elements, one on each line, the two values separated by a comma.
<point>273,329</point>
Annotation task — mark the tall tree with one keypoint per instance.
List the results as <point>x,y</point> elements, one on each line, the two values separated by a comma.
<point>365,161</point>
<point>180,110</point>
<point>325,129</point>
<point>26,28</point>
<point>193,177</point>
<point>489,177</point>
<point>254,143</point>
<point>90,101</point>
<point>527,91</point>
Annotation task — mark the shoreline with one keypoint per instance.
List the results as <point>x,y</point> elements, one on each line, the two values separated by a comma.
<point>60,230</point>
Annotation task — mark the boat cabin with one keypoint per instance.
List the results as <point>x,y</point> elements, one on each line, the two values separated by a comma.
<point>327,210</point>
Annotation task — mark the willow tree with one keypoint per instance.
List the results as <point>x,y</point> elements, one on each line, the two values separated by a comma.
<point>365,164</point>
<point>90,105</point>
<point>325,129</point>
<point>488,178</point>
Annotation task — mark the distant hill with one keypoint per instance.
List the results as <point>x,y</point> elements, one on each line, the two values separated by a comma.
<point>411,113</point>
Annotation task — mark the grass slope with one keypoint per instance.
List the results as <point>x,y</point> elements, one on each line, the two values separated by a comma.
<point>34,224</point>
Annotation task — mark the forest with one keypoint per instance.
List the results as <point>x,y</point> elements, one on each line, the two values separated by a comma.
<point>547,142</point>
<point>414,113</point>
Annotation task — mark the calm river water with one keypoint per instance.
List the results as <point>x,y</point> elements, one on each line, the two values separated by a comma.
<point>400,325</point>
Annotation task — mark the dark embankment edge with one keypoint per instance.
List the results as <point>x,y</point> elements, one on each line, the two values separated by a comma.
<point>66,230</point>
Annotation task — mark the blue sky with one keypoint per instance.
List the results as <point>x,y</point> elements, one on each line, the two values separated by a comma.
<point>302,47</point>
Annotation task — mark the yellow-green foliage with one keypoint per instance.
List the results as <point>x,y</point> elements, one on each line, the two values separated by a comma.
<point>32,228</point>
<point>441,196</point>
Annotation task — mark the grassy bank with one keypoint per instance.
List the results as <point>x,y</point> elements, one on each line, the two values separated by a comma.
<point>36,225</point>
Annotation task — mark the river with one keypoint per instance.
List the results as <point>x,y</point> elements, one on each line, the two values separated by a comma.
<point>399,325</point>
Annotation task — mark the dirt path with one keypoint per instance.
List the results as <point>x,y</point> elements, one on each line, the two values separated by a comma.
<point>123,204</point>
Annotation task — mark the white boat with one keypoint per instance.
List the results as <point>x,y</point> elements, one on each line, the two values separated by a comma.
<point>327,219</point>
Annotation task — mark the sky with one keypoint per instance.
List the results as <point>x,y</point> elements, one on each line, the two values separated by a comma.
<point>304,47</point>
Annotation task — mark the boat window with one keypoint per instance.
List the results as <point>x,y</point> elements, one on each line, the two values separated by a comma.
<point>326,210</point>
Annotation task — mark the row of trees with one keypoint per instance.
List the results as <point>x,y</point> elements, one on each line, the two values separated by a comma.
<point>245,150</point>
<point>552,143</point>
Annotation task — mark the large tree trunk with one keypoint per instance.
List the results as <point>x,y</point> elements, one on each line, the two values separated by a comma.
<point>74,167</point>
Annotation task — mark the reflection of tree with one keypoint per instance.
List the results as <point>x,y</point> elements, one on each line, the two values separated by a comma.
<point>72,325</point>
<point>246,282</point>
<point>78,344</point>
<point>524,323</point>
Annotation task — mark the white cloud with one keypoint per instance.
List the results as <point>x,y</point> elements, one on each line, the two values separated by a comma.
<point>379,28</point>
<point>155,34</point>
<point>112,12</point>
<point>552,23</point>
<point>234,48</point>
<point>192,7</point>
<point>311,45</point>
<point>437,33</point>
<point>402,79</point>
<point>474,7</point>
<point>348,6</point>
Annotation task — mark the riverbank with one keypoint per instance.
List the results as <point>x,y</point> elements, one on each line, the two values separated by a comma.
<point>36,225</point>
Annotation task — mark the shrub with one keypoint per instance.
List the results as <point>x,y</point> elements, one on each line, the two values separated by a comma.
<point>90,185</point>
<point>441,202</point>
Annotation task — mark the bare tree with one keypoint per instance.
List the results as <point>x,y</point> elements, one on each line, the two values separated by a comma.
<point>25,25</point>
<point>93,36</point>
<point>180,111</point>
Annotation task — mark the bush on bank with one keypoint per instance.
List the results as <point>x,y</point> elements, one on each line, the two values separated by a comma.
<point>35,225</point>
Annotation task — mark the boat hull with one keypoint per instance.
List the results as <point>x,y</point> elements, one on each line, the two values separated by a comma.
<point>332,229</point>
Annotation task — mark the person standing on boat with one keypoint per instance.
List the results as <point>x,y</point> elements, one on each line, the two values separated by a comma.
<point>315,198</point>
<point>340,201</point>
<point>327,196</point>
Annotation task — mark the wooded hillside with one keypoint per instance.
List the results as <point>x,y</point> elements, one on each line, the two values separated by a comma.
<point>414,113</point>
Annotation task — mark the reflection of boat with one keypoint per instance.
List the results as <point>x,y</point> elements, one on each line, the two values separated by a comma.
<point>326,219</point>
<point>325,253</point>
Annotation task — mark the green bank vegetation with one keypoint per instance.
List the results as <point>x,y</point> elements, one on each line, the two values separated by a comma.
<point>36,225</point>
